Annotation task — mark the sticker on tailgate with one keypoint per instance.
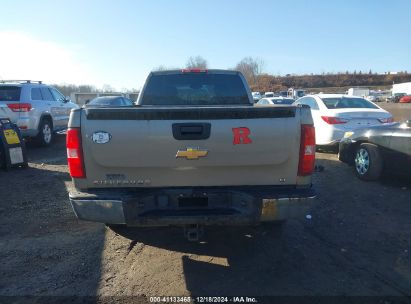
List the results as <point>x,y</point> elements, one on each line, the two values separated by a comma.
<point>241,136</point>
<point>101,137</point>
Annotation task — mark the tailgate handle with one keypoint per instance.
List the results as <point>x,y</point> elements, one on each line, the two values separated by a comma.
<point>191,131</point>
<point>186,130</point>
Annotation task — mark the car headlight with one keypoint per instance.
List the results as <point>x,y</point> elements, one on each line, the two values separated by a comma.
<point>348,134</point>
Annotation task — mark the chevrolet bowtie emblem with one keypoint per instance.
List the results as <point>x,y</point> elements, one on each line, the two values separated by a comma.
<point>191,153</point>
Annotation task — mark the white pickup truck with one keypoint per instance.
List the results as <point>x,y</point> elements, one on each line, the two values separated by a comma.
<point>194,151</point>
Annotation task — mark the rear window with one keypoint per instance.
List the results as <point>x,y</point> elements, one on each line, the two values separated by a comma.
<point>195,89</point>
<point>10,93</point>
<point>286,101</point>
<point>346,102</point>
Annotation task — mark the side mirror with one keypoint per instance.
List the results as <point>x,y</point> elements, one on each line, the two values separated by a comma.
<point>66,99</point>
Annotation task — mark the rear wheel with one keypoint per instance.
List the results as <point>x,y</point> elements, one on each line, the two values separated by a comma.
<point>368,162</point>
<point>45,136</point>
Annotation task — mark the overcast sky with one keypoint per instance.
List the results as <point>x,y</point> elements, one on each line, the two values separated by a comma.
<point>119,42</point>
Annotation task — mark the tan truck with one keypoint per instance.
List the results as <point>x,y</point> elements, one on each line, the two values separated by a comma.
<point>194,151</point>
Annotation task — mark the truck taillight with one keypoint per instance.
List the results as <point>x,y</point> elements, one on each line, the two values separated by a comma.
<point>307,150</point>
<point>75,153</point>
<point>19,107</point>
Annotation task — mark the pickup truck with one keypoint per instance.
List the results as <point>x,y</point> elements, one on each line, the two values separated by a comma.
<point>193,151</point>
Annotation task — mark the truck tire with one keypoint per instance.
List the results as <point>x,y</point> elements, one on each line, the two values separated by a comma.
<point>45,136</point>
<point>368,162</point>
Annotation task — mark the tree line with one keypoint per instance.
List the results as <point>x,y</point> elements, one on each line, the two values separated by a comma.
<point>348,79</point>
<point>253,71</point>
<point>67,89</point>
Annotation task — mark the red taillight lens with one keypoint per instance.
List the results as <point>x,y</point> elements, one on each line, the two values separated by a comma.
<point>307,150</point>
<point>19,107</point>
<point>75,153</point>
<point>334,120</point>
<point>194,70</point>
<point>386,120</point>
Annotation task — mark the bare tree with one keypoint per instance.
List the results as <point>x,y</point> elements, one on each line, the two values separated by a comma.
<point>165,68</point>
<point>160,68</point>
<point>67,89</point>
<point>251,68</point>
<point>196,62</point>
<point>107,88</point>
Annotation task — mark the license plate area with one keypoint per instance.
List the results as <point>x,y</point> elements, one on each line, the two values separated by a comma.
<point>192,202</point>
<point>190,206</point>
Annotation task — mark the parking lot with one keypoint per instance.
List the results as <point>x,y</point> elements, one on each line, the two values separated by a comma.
<point>357,242</point>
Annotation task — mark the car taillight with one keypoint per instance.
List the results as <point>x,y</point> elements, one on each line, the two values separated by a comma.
<point>194,70</point>
<point>334,120</point>
<point>75,153</point>
<point>307,150</point>
<point>386,120</point>
<point>19,107</point>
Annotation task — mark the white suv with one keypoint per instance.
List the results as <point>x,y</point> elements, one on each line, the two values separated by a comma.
<point>38,110</point>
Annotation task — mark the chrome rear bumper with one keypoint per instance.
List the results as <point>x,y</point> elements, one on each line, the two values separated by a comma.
<point>242,208</point>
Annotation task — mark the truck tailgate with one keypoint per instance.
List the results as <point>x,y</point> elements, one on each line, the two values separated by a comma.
<point>136,147</point>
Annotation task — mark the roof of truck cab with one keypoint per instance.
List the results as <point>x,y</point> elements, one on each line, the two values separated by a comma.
<point>207,71</point>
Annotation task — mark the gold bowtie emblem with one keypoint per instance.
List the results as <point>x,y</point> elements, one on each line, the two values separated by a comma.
<point>191,153</point>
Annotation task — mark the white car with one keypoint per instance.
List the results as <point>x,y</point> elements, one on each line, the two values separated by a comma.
<point>256,96</point>
<point>275,101</point>
<point>335,114</point>
<point>269,94</point>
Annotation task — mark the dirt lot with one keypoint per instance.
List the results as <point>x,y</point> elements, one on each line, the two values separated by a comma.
<point>357,243</point>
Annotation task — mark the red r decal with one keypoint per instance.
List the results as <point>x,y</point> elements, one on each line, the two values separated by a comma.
<point>241,136</point>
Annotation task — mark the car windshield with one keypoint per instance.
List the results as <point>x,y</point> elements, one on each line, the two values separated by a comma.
<point>347,102</point>
<point>195,89</point>
<point>10,93</point>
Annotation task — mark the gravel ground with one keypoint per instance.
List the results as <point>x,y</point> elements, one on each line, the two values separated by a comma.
<point>357,243</point>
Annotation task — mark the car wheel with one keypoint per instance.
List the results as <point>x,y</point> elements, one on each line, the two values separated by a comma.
<point>368,162</point>
<point>45,136</point>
